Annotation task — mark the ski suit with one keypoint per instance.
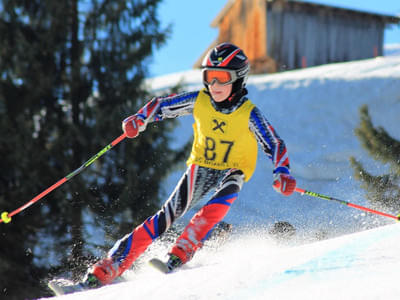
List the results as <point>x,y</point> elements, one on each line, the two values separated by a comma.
<point>216,138</point>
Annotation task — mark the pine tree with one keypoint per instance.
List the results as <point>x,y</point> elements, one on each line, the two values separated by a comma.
<point>70,71</point>
<point>382,190</point>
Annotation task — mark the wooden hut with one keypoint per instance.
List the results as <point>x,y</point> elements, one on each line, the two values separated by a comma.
<point>286,34</point>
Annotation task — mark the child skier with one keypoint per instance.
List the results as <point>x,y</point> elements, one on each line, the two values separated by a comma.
<point>227,128</point>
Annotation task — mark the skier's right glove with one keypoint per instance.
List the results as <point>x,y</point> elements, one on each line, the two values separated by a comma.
<point>130,126</point>
<point>284,184</point>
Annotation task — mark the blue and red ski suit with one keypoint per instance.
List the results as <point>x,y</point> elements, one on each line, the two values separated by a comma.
<point>195,183</point>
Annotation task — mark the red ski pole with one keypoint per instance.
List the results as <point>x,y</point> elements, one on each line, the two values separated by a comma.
<point>6,217</point>
<point>313,194</point>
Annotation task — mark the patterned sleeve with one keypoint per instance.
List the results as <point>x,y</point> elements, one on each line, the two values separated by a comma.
<point>160,108</point>
<point>270,142</point>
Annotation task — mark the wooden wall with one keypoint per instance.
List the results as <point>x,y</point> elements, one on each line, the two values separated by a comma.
<point>244,25</point>
<point>301,35</point>
<point>282,34</point>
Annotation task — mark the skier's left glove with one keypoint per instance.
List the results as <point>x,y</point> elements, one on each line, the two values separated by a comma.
<point>284,184</point>
<point>131,126</point>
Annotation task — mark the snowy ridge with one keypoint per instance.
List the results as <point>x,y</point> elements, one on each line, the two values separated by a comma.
<point>354,70</point>
<point>315,111</point>
<point>392,49</point>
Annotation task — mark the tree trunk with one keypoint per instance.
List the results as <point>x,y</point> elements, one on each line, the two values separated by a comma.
<point>75,83</point>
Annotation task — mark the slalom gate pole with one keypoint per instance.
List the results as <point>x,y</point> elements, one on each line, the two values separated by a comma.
<point>313,194</point>
<point>6,217</point>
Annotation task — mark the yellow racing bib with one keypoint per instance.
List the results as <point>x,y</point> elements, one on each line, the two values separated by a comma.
<point>223,141</point>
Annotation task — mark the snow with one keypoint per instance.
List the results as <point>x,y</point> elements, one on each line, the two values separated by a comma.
<point>392,49</point>
<point>315,111</point>
<point>356,266</point>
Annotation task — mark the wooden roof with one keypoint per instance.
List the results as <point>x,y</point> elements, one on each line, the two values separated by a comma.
<point>390,19</point>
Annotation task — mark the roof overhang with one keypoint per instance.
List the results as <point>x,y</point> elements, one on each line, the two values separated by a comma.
<point>390,19</point>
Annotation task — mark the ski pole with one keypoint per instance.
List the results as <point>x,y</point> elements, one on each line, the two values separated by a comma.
<point>317,195</point>
<point>6,217</point>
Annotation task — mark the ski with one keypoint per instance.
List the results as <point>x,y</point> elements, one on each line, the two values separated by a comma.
<point>62,286</point>
<point>159,265</point>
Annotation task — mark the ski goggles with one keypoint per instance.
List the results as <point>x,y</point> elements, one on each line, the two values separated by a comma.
<point>222,76</point>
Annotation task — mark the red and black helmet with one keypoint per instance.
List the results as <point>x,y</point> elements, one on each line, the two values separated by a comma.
<point>228,57</point>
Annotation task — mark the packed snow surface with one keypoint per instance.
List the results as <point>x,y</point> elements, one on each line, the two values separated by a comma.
<point>357,266</point>
<point>337,252</point>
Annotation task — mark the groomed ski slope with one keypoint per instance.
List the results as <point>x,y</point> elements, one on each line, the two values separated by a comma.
<point>316,111</point>
<point>362,265</point>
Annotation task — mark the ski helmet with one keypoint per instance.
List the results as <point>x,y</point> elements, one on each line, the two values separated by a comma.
<point>230,58</point>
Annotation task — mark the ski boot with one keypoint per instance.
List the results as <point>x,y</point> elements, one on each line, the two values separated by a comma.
<point>173,263</point>
<point>103,272</point>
